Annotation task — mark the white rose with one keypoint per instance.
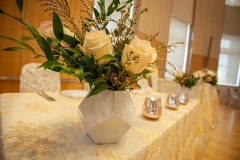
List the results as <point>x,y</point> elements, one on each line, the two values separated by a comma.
<point>211,73</point>
<point>196,74</point>
<point>98,44</point>
<point>46,28</point>
<point>178,73</point>
<point>141,48</point>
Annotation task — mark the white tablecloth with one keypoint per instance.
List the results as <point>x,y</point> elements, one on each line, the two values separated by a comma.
<point>32,127</point>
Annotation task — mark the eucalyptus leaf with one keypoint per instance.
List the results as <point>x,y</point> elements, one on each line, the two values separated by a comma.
<point>57,26</point>
<point>97,89</point>
<point>19,5</point>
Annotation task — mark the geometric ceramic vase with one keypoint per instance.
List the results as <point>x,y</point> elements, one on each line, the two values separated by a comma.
<point>107,116</point>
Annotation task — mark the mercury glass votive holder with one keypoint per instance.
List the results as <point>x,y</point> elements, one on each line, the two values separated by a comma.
<point>152,108</point>
<point>172,101</point>
<point>183,98</point>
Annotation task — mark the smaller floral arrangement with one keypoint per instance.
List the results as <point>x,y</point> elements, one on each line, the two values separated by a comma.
<point>199,75</point>
<point>210,76</point>
<point>185,80</point>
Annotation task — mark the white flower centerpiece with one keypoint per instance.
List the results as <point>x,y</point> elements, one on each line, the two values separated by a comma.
<point>186,81</point>
<point>111,62</point>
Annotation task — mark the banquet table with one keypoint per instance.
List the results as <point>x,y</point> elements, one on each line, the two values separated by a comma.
<point>34,128</point>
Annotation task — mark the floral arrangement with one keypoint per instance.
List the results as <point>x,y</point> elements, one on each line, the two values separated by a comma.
<point>113,60</point>
<point>185,80</point>
<point>209,76</point>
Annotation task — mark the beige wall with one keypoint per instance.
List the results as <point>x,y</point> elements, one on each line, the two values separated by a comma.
<point>208,21</point>
<point>156,20</point>
<point>232,20</point>
<point>183,10</point>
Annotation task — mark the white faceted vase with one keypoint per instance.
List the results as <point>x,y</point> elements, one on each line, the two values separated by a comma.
<point>107,116</point>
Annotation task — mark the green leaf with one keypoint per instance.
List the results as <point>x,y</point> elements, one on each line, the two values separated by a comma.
<point>26,38</point>
<point>97,89</point>
<point>65,69</point>
<point>19,5</point>
<point>107,56</point>
<point>115,64</point>
<point>88,19</point>
<point>15,49</point>
<point>29,48</point>
<point>74,50</point>
<point>79,73</point>
<point>51,64</point>
<point>70,40</point>
<point>57,26</point>
<point>119,9</point>
<point>32,29</point>
<point>41,41</point>
<point>98,80</point>
<point>96,13</point>
<point>111,9</point>
<point>89,60</point>
<point>107,31</point>
<point>90,82</point>
<point>116,2</point>
<point>1,11</point>
<point>118,56</point>
<point>66,58</point>
<point>129,1</point>
<point>45,48</point>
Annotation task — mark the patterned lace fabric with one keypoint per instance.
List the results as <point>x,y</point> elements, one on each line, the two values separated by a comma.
<point>74,119</point>
<point>111,155</point>
<point>37,138</point>
<point>153,140</point>
<point>39,106</point>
